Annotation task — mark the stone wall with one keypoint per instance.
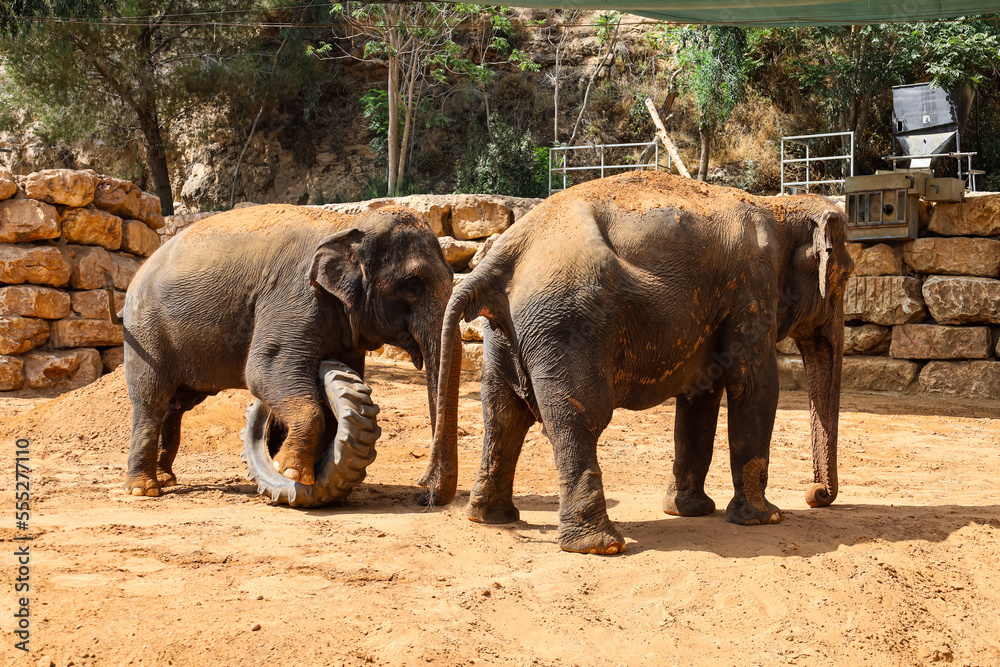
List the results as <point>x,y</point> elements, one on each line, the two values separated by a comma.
<point>923,315</point>
<point>68,239</point>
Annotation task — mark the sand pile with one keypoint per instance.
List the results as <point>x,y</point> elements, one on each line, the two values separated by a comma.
<point>100,415</point>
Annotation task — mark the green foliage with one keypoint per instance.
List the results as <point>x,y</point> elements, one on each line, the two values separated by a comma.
<point>504,164</point>
<point>714,65</point>
<point>375,105</point>
<point>123,71</point>
<point>956,52</point>
<point>606,23</point>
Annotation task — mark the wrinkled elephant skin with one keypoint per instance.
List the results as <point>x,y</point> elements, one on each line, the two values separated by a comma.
<point>255,299</point>
<point>624,292</point>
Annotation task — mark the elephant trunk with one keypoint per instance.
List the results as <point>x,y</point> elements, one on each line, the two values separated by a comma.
<point>444,367</point>
<point>823,354</point>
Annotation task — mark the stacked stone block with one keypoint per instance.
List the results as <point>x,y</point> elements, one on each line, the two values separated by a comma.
<point>924,315</point>
<point>67,237</point>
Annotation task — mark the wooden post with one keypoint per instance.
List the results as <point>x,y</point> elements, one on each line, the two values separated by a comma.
<point>661,132</point>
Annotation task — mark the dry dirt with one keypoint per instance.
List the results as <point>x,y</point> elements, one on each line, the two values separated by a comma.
<point>902,570</point>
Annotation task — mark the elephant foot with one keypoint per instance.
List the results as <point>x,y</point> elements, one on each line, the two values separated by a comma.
<point>294,466</point>
<point>603,539</point>
<point>688,503</point>
<point>741,512</point>
<point>142,486</point>
<point>482,512</point>
<point>166,478</point>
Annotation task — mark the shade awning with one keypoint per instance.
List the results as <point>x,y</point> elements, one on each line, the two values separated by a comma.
<point>781,12</point>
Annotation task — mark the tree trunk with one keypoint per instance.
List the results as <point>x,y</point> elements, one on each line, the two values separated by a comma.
<point>156,154</point>
<point>393,124</point>
<point>706,143</point>
<point>409,111</point>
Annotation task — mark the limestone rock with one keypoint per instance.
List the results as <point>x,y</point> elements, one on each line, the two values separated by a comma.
<point>472,357</point>
<point>150,211</point>
<point>61,186</point>
<point>34,301</point>
<point>41,265</point>
<point>93,304</point>
<point>27,220</point>
<point>976,216</point>
<point>863,373</point>
<point>877,260</point>
<point>954,256</point>
<point>62,368</point>
<point>484,250</point>
<point>868,339</point>
<point>963,299</point>
<point>885,300</point>
<point>791,372</point>
<point>92,226</point>
<point>457,253</point>
<point>8,188</point>
<point>20,334</point>
<point>112,358</point>
<point>787,346</point>
<point>933,341</point>
<point>860,373</point>
<point>391,352</point>
<point>80,332</point>
<point>477,217</point>
<point>968,379</point>
<point>11,373</point>
<point>139,239</point>
<point>473,330</point>
<point>436,208</point>
<point>118,197</point>
<point>90,264</point>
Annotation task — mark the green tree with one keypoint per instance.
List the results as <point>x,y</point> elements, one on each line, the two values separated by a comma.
<point>138,63</point>
<point>417,44</point>
<point>504,163</point>
<point>713,62</point>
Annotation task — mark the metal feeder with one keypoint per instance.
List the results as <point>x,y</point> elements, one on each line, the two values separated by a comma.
<point>886,205</point>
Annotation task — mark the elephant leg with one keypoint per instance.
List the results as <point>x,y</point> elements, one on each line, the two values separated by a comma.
<point>694,437</point>
<point>147,421</point>
<point>752,400</point>
<point>170,436</point>
<point>290,389</point>
<point>573,422</point>
<point>507,418</point>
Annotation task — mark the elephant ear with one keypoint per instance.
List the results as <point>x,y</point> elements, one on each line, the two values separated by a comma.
<point>337,268</point>
<point>822,248</point>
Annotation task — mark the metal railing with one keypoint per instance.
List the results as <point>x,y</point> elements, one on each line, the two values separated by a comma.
<point>559,154</point>
<point>804,140</point>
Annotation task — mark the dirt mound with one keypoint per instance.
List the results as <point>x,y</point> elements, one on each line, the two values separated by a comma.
<point>100,414</point>
<point>641,191</point>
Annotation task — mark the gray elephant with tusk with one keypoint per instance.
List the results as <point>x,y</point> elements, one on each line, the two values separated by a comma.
<point>624,292</point>
<point>256,299</point>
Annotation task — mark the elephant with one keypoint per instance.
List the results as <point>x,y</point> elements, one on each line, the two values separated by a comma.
<point>256,298</point>
<point>626,291</point>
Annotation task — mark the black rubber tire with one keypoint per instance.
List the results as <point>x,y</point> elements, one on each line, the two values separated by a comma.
<point>350,452</point>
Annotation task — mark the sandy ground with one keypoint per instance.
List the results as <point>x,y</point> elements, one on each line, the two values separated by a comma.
<point>904,569</point>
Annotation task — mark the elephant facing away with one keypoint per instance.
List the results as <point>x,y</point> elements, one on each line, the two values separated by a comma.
<point>255,299</point>
<point>624,292</point>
